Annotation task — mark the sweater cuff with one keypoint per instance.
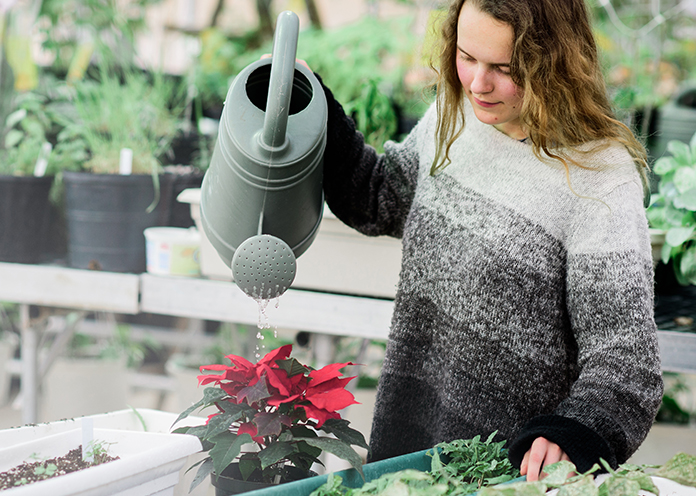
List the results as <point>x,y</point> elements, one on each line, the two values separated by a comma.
<point>583,446</point>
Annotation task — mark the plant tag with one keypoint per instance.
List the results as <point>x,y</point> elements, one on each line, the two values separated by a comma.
<point>42,161</point>
<point>125,164</point>
<point>88,439</point>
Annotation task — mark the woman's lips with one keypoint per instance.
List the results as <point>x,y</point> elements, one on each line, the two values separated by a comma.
<point>483,104</point>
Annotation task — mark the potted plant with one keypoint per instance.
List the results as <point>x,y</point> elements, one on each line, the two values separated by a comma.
<point>29,199</point>
<point>673,208</point>
<point>124,123</point>
<point>275,409</point>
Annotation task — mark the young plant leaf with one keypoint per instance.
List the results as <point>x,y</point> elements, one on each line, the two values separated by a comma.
<point>584,486</point>
<point>557,474</point>
<point>616,485</point>
<point>536,488</point>
<point>681,468</point>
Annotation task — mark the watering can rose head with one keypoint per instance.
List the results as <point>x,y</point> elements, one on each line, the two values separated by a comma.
<point>286,411</point>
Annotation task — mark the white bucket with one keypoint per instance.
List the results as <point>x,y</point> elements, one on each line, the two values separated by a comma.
<point>173,251</point>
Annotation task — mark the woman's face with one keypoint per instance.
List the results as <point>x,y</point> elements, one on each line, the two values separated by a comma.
<point>484,50</point>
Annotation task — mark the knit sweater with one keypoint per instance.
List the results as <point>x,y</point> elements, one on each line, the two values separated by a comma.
<point>523,306</point>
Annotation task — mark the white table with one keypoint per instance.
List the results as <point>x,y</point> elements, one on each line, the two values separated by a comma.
<point>64,288</point>
<point>322,313</point>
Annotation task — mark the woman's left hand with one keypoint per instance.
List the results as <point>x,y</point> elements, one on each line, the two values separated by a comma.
<point>542,453</point>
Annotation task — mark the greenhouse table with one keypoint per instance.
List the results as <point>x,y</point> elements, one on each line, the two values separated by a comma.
<point>52,287</point>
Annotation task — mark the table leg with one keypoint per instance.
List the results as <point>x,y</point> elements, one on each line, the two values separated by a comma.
<point>29,382</point>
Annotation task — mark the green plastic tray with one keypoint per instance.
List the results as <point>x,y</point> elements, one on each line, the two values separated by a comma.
<point>351,478</point>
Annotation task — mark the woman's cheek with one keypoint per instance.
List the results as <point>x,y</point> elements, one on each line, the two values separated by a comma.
<point>463,73</point>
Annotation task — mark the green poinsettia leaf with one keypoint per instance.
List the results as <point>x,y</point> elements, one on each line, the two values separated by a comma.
<point>293,367</point>
<point>247,465</point>
<point>254,394</point>
<point>515,489</point>
<point>680,151</point>
<point>678,235</point>
<point>237,410</point>
<point>681,468</point>
<point>584,486</point>
<point>557,474</point>
<point>226,449</point>
<point>218,424</point>
<point>274,453</point>
<point>336,447</point>
<point>302,431</point>
<point>210,397</point>
<point>340,428</point>
<point>270,424</point>
<point>685,179</point>
<point>617,485</point>
<point>665,165</point>
<point>204,470</point>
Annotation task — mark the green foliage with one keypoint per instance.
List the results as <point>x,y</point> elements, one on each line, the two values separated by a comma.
<point>673,208</point>
<point>470,465</point>
<point>67,24</point>
<point>112,112</point>
<point>33,120</point>
<point>473,464</point>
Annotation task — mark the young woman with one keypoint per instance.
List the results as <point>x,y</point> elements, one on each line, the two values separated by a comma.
<point>525,301</point>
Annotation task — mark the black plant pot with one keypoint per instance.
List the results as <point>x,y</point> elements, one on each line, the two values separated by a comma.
<point>25,216</point>
<point>230,480</point>
<point>106,215</point>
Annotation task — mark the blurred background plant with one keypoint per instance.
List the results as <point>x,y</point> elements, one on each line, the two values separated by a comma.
<point>647,49</point>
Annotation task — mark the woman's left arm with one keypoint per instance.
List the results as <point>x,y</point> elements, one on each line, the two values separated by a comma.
<point>609,297</point>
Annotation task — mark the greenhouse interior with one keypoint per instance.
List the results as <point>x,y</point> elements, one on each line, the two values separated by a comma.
<point>347,248</point>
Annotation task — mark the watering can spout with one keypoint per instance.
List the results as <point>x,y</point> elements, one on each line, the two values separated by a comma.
<point>281,81</point>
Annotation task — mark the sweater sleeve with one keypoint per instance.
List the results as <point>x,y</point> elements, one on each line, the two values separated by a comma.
<point>609,298</point>
<point>369,192</point>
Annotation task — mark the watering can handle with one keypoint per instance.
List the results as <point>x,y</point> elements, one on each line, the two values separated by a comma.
<point>281,79</point>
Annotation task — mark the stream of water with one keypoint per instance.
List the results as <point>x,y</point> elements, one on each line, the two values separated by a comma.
<point>264,323</point>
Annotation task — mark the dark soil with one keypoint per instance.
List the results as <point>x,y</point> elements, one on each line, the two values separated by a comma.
<point>30,472</point>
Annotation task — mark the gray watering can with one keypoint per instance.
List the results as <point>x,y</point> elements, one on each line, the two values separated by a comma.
<point>262,198</point>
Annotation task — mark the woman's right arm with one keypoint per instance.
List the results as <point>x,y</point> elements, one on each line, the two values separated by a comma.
<point>371,193</point>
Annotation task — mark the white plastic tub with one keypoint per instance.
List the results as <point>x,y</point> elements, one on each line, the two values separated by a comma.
<point>133,420</point>
<point>173,251</point>
<point>148,463</point>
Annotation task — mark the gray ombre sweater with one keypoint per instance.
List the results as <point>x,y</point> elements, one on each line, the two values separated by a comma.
<point>523,306</point>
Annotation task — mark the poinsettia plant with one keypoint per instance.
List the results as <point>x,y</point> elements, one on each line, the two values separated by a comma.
<point>270,414</point>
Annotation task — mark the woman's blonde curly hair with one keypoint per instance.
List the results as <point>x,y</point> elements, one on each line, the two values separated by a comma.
<point>555,62</point>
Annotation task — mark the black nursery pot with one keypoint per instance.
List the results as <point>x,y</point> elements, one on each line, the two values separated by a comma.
<point>230,480</point>
<point>106,215</point>
<point>25,213</point>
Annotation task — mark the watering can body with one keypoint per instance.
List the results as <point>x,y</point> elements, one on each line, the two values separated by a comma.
<point>265,176</point>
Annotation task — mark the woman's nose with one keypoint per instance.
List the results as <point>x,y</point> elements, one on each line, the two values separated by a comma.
<point>482,81</point>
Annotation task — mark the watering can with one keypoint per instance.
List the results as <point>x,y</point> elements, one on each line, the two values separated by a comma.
<point>262,198</point>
